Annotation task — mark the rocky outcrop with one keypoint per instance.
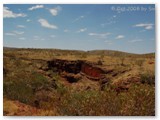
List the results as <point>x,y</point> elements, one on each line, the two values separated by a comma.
<point>92,71</point>
<point>71,77</point>
<point>65,65</point>
<point>76,67</point>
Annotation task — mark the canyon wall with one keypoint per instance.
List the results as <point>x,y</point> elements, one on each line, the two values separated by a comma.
<point>76,67</point>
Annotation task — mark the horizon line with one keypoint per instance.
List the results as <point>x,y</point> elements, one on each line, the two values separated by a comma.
<point>79,50</point>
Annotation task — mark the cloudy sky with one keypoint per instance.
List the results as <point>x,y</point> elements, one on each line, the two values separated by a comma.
<point>129,28</point>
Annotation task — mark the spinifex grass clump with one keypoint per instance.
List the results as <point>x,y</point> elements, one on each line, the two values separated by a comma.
<point>139,100</point>
<point>147,78</point>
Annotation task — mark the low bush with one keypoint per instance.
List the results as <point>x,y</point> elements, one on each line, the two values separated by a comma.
<point>23,86</point>
<point>139,62</point>
<point>147,78</point>
<point>139,100</point>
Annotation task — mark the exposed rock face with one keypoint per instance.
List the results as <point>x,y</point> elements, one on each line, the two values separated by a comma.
<point>71,77</point>
<point>91,70</point>
<point>75,67</point>
<point>64,65</point>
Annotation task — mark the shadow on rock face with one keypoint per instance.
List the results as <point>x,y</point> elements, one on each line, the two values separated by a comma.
<point>72,68</point>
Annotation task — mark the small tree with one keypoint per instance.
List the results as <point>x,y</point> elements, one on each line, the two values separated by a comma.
<point>140,63</point>
<point>122,60</point>
<point>100,62</point>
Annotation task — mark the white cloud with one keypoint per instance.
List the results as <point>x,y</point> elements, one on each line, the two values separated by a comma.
<point>36,36</point>
<point>20,26</point>
<point>136,40</point>
<point>14,33</point>
<point>149,27</point>
<point>54,11</point>
<point>9,14</point>
<point>79,18</point>
<point>44,23</point>
<point>108,42</point>
<point>66,30</point>
<point>110,20</point>
<point>101,35</point>
<point>10,34</point>
<point>22,38</point>
<point>36,7</point>
<point>82,30</point>
<point>108,23</point>
<point>146,26</point>
<point>28,20</point>
<point>42,39</point>
<point>92,34</point>
<point>52,36</point>
<point>119,37</point>
<point>18,32</point>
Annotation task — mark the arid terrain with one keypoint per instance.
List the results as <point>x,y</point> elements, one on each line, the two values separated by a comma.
<point>53,82</point>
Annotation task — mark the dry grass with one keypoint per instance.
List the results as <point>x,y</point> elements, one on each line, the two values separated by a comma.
<point>139,100</point>
<point>46,93</point>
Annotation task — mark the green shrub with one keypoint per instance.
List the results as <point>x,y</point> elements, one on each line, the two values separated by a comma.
<point>147,78</point>
<point>37,80</point>
<point>22,86</point>
<point>139,100</point>
<point>19,91</point>
<point>139,62</point>
<point>100,62</point>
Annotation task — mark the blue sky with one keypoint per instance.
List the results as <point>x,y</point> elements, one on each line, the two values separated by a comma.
<point>129,28</point>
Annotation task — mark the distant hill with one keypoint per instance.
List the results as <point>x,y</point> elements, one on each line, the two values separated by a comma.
<point>119,53</point>
<point>91,52</point>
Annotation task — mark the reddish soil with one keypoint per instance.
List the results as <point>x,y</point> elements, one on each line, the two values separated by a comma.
<point>91,71</point>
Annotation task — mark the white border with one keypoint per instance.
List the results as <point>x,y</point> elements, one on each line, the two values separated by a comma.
<point>81,2</point>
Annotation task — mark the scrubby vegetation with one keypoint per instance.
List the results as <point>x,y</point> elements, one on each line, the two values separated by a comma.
<point>148,78</point>
<point>139,100</point>
<point>30,86</point>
